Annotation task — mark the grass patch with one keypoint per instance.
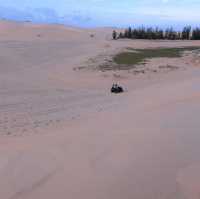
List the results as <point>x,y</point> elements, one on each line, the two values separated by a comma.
<point>139,56</point>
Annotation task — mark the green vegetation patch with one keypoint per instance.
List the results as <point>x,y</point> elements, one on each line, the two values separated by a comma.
<point>139,56</point>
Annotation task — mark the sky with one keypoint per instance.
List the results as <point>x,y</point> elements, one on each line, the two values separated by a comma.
<point>94,13</point>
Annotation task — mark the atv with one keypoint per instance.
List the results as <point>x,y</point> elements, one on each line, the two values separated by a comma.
<point>116,89</point>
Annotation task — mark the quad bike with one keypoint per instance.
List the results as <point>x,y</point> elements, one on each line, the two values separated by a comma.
<point>116,89</point>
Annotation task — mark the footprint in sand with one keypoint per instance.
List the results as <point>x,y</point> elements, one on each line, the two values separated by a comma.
<point>8,133</point>
<point>24,130</point>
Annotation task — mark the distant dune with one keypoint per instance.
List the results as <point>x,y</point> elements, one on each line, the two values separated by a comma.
<point>28,31</point>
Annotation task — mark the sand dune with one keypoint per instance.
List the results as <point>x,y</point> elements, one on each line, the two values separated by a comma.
<point>63,135</point>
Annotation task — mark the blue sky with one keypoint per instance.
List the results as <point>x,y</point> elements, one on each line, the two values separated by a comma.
<point>88,13</point>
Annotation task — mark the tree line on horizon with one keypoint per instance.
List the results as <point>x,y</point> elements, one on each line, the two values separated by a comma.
<point>157,33</point>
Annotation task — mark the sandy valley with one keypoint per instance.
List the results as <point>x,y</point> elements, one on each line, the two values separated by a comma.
<point>64,135</point>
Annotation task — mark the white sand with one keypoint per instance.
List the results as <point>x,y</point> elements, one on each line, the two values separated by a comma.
<point>63,135</point>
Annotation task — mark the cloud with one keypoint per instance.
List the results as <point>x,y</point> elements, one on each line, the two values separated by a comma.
<point>42,15</point>
<point>102,12</point>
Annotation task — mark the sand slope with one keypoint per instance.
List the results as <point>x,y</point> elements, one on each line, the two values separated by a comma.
<point>63,135</point>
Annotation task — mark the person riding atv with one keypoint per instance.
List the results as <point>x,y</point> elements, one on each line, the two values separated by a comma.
<point>116,89</point>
